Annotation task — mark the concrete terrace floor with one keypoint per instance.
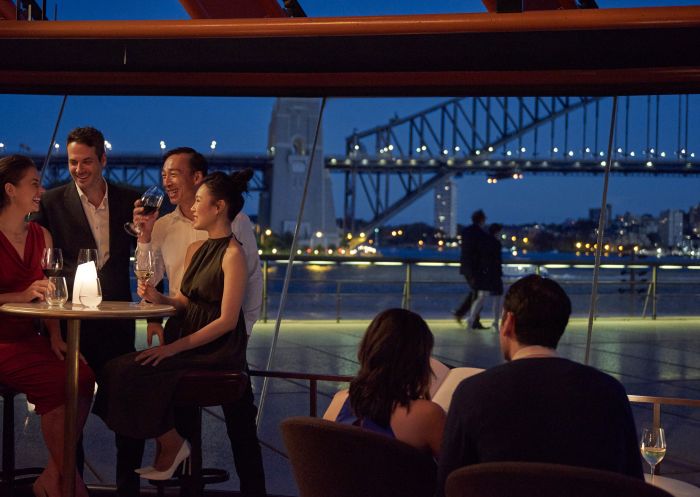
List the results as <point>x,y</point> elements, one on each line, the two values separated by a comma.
<point>659,358</point>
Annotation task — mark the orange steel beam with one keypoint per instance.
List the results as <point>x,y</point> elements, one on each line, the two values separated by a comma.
<point>540,52</point>
<point>232,9</point>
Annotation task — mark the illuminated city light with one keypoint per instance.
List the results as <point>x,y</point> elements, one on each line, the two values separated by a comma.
<point>477,152</point>
<point>162,145</point>
<point>523,150</point>
<point>268,232</point>
<point>571,153</point>
<point>56,146</point>
<point>274,250</point>
<point>555,149</point>
<point>349,236</point>
<point>578,245</point>
<point>632,153</point>
<point>490,149</point>
<point>649,163</point>
<point>362,235</point>
<point>213,145</point>
<point>357,147</point>
<point>319,234</point>
<point>457,149</point>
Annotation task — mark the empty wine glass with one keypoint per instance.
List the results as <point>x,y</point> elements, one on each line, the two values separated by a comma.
<point>91,293</point>
<point>150,202</point>
<point>51,261</point>
<point>87,255</point>
<point>653,447</point>
<point>57,291</point>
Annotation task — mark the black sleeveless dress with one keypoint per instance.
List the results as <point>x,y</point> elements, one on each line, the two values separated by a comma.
<point>135,400</point>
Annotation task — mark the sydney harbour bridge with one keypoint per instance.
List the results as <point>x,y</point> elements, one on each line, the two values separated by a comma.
<point>389,166</point>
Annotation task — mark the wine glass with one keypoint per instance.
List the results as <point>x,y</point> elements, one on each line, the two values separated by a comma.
<point>91,293</point>
<point>150,202</point>
<point>653,447</point>
<point>87,255</point>
<point>57,291</point>
<point>51,261</point>
<point>144,266</point>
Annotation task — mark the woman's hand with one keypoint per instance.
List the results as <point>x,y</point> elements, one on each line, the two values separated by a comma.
<point>148,292</point>
<point>37,290</point>
<point>59,347</point>
<point>155,355</point>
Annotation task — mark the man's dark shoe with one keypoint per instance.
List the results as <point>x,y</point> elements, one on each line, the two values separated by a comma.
<point>457,317</point>
<point>478,326</point>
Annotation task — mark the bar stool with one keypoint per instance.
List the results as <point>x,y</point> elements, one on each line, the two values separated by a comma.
<point>199,389</point>
<point>10,477</point>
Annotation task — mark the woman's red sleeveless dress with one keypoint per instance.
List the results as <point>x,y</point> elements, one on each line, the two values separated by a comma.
<point>27,363</point>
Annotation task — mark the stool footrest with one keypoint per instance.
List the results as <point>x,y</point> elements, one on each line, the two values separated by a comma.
<point>209,476</point>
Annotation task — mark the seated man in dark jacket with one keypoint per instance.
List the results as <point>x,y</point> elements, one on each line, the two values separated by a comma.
<point>539,407</point>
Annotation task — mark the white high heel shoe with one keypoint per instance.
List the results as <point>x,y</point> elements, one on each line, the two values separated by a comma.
<point>183,455</point>
<point>145,469</point>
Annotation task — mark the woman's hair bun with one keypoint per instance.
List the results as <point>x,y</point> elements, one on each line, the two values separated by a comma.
<point>241,178</point>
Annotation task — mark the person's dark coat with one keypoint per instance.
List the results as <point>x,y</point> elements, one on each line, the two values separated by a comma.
<point>480,260</point>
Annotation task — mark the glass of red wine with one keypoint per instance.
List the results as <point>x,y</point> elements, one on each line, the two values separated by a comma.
<point>52,261</point>
<point>150,202</point>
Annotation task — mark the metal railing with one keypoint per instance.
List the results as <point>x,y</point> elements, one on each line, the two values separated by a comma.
<point>639,277</point>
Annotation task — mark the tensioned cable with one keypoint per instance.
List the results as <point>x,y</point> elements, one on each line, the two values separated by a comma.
<point>601,229</point>
<point>53,140</point>
<point>292,254</point>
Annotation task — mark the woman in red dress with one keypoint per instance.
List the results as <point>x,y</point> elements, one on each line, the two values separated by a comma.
<point>29,362</point>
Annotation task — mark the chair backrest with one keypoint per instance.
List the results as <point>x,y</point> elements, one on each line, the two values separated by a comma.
<point>525,479</point>
<point>336,460</point>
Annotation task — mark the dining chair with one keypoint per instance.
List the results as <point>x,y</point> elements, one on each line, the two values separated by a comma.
<point>335,460</point>
<point>527,479</point>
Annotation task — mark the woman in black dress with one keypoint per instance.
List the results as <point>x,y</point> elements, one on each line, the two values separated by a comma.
<point>135,399</point>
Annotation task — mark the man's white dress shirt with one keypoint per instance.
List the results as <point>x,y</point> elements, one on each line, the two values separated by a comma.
<point>98,219</point>
<point>171,236</point>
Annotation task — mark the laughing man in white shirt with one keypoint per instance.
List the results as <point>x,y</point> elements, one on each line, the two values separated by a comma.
<point>168,237</point>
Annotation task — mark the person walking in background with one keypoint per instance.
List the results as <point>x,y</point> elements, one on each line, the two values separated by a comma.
<point>168,237</point>
<point>494,270</point>
<point>475,243</point>
<point>90,212</point>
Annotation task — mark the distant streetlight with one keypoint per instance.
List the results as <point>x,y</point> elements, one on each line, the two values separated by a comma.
<point>56,146</point>
<point>108,145</point>
<point>213,145</point>
<point>162,145</point>
<point>319,234</point>
<point>268,232</point>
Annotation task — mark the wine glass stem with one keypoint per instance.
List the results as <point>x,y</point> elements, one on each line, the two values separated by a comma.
<point>652,472</point>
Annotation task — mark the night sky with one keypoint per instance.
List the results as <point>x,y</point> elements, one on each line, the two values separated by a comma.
<point>239,125</point>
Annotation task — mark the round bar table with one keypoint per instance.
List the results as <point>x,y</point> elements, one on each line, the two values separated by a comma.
<point>74,313</point>
<point>677,488</point>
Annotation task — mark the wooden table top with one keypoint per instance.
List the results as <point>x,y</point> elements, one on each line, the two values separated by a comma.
<point>107,309</point>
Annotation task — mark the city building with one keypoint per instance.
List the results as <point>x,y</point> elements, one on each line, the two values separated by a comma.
<point>671,227</point>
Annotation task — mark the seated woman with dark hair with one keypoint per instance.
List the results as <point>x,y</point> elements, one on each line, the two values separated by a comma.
<point>136,396</point>
<point>390,395</point>
<point>29,362</point>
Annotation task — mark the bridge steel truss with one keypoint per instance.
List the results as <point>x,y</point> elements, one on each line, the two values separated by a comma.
<point>143,170</point>
<point>509,137</point>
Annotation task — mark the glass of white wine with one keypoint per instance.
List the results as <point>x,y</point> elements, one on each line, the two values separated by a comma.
<point>653,447</point>
<point>144,266</point>
<point>91,293</point>
<point>57,291</point>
